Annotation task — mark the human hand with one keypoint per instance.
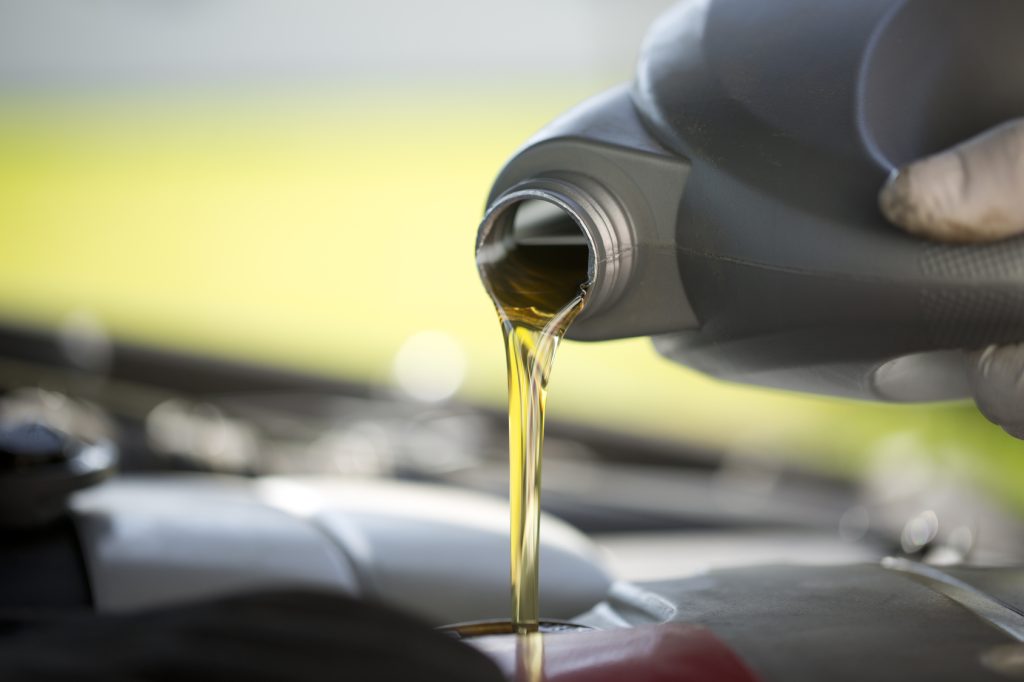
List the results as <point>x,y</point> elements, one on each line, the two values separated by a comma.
<point>972,193</point>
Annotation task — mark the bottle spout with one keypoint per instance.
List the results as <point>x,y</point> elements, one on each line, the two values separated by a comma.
<point>594,201</point>
<point>567,233</point>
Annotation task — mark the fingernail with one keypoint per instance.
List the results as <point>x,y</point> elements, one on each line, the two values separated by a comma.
<point>894,198</point>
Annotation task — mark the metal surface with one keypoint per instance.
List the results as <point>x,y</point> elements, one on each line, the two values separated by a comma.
<point>1002,616</point>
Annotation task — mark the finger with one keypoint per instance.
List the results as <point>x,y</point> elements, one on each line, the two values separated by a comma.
<point>997,379</point>
<point>973,192</point>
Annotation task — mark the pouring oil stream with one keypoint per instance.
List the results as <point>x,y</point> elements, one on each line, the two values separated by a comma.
<point>538,286</point>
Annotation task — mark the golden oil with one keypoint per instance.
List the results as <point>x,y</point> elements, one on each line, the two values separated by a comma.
<point>530,657</point>
<point>538,290</point>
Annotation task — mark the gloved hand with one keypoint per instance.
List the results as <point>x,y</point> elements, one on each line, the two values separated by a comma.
<point>972,193</point>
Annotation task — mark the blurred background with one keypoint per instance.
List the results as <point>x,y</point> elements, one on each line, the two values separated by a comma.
<point>297,186</point>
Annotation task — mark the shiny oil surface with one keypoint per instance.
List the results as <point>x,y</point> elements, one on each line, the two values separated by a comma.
<point>538,291</point>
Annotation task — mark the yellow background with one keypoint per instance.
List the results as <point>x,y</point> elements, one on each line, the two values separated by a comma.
<point>320,230</point>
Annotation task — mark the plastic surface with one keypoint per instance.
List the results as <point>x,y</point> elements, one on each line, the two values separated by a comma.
<point>443,553</point>
<point>844,623</point>
<point>604,141</point>
<point>439,552</point>
<point>162,540</point>
<point>298,636</point>
<point>759,137</point>
<point>672,652</point>
<point>41,570</point>
<point>792,114</point>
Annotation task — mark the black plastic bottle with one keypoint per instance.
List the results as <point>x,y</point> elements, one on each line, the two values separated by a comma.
<point>728,196</point>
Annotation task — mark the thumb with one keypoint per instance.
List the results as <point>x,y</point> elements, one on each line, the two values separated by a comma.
<point>997,380</point>
<point>973,192</point>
